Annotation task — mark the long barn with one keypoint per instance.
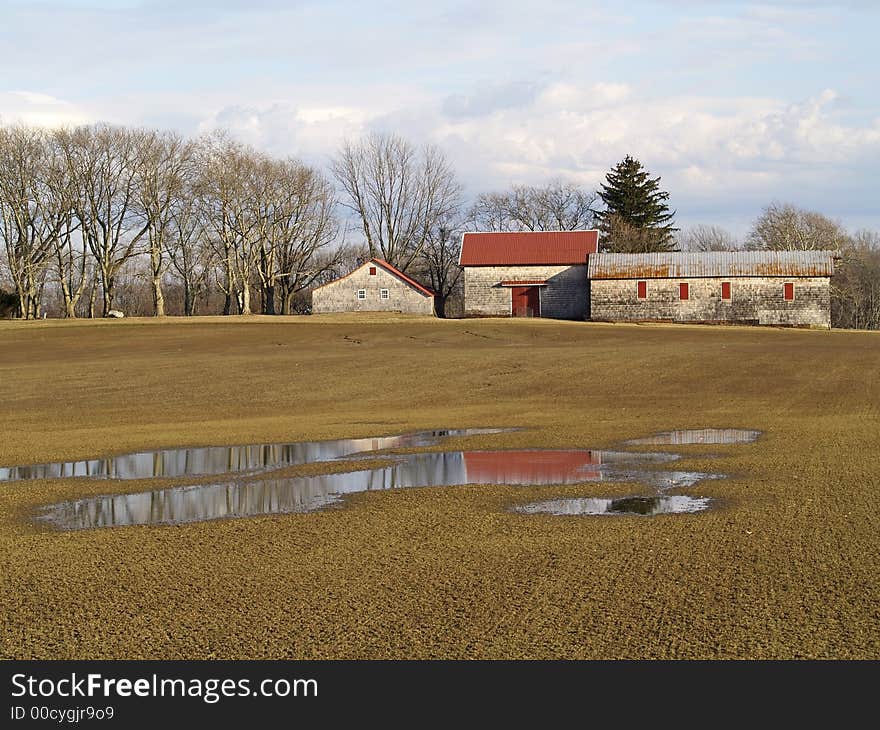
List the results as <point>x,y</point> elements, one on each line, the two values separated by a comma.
<point>748,287</point>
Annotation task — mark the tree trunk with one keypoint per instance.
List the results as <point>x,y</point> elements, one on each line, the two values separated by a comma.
<point>108,295</point>
<point>158,296</point>
<point>246,300</point>
<point>187,298</point>
<point>269,299</point>
<point>93,296</point>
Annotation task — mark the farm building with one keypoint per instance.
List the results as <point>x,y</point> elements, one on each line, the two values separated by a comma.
<point>748,287</point>
<point>375,286</point>
<point>527,274</point>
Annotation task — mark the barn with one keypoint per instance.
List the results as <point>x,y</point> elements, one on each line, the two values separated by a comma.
<point>790,288</point>
<point>527,274</point>
<point>375,286</point>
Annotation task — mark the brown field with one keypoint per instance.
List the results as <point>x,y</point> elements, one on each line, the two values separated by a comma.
<point>787,567</point>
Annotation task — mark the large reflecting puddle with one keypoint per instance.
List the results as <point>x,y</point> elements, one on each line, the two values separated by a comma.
<point>208,460</point>
<point>309,493</point>
<point>233,496</point>
<point>660,505</point>
<point>699,436</point>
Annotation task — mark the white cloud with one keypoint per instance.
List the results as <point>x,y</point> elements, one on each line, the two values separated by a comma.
<point>39,109</point>
<point>310,132</point>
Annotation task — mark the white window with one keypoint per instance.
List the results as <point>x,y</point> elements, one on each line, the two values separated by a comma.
<point>383,294</point>
<point>362,293</point>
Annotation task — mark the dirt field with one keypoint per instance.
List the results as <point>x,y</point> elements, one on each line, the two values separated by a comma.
<point>787,566</point>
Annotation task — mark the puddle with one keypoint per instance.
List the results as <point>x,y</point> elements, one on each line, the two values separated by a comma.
<point>175,505</point>
<point>208,460</point>
<point>699,436</point>
<point>623,506</point>
<point>231,497</point>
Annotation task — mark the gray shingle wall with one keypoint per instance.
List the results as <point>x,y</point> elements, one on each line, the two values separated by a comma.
<point>754,300</point>
<point>564,297</point>
<point>341,295</point>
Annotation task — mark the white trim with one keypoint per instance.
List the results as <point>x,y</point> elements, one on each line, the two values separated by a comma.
<point>384,294</point>
<point>359,292</point>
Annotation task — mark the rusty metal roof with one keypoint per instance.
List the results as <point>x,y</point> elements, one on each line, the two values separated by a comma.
<point>686,265</point>
<point>521,248</point>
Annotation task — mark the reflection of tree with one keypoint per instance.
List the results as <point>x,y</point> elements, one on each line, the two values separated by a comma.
<point>635,505</point>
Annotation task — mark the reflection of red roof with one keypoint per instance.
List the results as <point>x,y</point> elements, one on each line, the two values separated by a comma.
<point>529,247</point>
<point>531,467</point>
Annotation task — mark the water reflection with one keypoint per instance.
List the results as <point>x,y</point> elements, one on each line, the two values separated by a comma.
<point>309,493</point>
<point>700,436</point>
<point>208,460</point>
<point>623,506</point>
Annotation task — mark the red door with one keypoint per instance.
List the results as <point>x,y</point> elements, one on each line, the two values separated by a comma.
<point>525,301</point>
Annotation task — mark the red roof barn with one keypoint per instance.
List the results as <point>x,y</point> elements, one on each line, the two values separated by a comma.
<point>527,273</point>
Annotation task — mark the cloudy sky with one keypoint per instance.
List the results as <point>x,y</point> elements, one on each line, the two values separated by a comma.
<point>735,104</point>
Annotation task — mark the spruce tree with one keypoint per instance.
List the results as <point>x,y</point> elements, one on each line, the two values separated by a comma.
<point>636,218</point>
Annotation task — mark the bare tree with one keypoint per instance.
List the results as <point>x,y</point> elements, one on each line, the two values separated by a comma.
<point>438,265</point>
<point>398,192</point>
<point>556,206</point>
<point>31,214</point>
<point>229,184</point>
<point>72,267</point>
<point>855,285</point>
<point>785,227</point>
<point>708,238</point>
<point>164,171</point>
<point>493,212</point>
<point>303,228</point>
<point>188,251</point>
<point>102,162</point>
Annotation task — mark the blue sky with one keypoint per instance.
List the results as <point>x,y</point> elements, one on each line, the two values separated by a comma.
<point>735,104</point>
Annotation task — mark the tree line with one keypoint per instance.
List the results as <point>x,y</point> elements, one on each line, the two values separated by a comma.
<point>100,218</point>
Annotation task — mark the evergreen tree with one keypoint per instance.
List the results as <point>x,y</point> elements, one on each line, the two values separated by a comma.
<point>636,218</point>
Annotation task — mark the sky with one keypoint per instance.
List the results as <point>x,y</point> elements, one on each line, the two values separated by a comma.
<point>734,104</point>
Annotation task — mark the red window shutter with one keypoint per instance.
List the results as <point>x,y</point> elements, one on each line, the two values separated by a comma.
<point>725,290</point>
<point>372,271</point>
<point>683,291</point>
<point>789,291</point>
<point>643,290</point>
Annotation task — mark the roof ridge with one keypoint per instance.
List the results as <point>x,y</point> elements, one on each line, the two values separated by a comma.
<point>409,280</point>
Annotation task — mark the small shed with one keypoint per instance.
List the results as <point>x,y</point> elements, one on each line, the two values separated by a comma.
<point>790,288</point>
<point>527,273</point>
<point>375,286</point>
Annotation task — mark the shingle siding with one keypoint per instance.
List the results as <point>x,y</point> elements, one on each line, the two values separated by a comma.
<point>564,297</point>
<point>754,300</point>
<point>341,295</point>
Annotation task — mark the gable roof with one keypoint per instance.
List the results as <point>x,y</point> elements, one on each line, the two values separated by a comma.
<point>412,282</point>
<point>527,247</point>
<point>391,270</point>
<point>687,264</point>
